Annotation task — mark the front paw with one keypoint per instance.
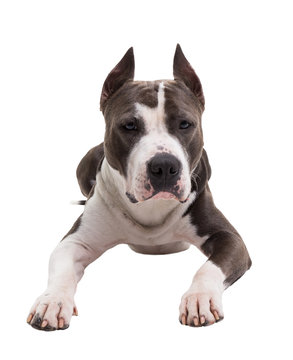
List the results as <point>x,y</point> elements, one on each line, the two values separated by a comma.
<point>200,308</point>
<point>52,312</point>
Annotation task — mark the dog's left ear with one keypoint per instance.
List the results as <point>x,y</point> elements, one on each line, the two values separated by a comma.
<point>121,73</point>
<point>183,71</point>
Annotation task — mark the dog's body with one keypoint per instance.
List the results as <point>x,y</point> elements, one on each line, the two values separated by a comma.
<point>147,186</point>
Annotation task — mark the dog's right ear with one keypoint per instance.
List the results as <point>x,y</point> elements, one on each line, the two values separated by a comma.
<point>183,71</point>
<point>121,73</point>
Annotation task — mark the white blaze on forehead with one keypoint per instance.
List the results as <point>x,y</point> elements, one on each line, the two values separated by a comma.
<point>154,117</point>
<point>161,98</point>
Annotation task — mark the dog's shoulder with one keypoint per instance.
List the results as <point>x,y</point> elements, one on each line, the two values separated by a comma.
<point>88,167</point>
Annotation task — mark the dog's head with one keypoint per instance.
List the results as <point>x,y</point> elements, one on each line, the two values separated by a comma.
<point>153,129</point>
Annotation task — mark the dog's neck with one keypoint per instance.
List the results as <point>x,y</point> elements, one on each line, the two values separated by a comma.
<point>148,213</point>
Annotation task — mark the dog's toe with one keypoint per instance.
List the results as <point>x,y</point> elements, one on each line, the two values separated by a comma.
<point>36,321</point>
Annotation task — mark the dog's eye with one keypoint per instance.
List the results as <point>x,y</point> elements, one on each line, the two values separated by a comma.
<point>130,126</point>
<point>184,124</point>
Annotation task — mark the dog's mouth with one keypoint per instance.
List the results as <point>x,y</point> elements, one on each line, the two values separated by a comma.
<point>165,195</point>
<point>160,195</point>
<point>177,190</point>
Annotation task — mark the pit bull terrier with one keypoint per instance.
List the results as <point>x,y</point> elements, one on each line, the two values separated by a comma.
<point>147,186</point>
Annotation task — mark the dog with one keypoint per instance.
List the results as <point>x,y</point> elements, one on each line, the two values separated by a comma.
<point>147,186</point>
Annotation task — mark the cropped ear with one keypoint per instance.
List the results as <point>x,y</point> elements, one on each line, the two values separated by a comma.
<point>122,72</point>
<point>183,71</point>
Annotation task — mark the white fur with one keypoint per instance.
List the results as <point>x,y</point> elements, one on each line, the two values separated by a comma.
<point>204,296</point>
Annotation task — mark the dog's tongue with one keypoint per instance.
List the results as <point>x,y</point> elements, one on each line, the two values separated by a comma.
<point>164,195</point>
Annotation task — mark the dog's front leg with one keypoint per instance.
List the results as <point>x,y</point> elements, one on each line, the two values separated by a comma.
<point>54,308</point>
<point>201,305</point>
<point>87,240</point>
<point>228,259</point>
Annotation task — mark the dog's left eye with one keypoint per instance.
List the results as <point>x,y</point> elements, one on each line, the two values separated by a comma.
<point>130,126</point>
<point>184,124</point>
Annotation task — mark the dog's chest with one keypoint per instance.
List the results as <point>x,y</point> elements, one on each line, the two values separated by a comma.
<point>175,228</point>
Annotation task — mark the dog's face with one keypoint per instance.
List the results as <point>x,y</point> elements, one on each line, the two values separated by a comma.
<point>153,129</point>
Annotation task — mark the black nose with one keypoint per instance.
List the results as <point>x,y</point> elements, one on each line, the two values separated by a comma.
<point>164,170</point>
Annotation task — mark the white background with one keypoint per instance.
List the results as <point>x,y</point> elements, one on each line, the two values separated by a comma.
<point>55,56</point>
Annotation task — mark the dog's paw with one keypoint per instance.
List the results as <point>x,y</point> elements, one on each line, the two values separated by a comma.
<point>52,312</point>
<point>200,308</point>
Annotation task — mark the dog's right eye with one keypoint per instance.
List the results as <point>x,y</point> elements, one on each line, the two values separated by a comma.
<point>184,124</point>
<point>130,126</point>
